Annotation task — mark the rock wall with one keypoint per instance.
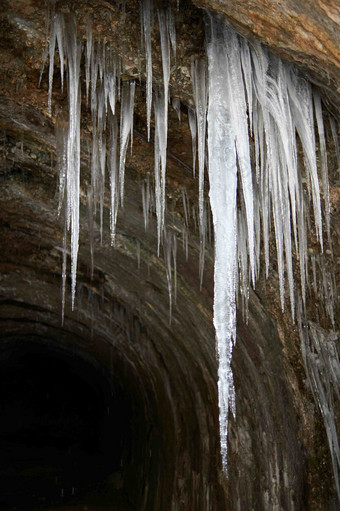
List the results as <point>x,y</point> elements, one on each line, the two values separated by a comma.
<point>279,457</point>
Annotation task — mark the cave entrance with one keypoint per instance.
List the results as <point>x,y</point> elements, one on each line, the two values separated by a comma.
<point>66,430</point>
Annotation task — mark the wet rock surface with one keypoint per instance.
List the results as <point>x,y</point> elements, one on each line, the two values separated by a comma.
<point>162,375</point>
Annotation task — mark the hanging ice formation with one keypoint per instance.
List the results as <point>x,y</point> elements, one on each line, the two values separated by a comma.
<point>251,91</point>
<point>146,24</point>
<point>245,92</point>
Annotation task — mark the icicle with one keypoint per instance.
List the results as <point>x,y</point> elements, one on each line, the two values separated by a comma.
<point>323,160</point>
<point>147,10</point>
<point>102,160</point>
<point>185,206</point>
<point>335,139</point>
<point>160,161</point>
<point>146,199</point>
<point>51,66</point>
<point>126,123</point>
<point>165,49</point>
<point>89,49</point>
<point>73,48</point>
<point>203,232</point>
<point>63,271</point>
<point>59,28</point>
<point>167,248</point>
<point>193,130</point>
<point>61,152</point>
<point>198,76</point>
<point>114,178</point>
<point>110,81</point>
<point>239,120</point>
<point>223,185</point>
<point>177,107</point>
<point>90,225</point>
<point>172,29</point>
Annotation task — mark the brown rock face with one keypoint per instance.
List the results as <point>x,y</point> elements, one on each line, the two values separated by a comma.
<point>307,33</point>
<point>116,408</point>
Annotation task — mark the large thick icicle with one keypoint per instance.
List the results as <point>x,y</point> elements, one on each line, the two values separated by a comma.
<point>223,187</point>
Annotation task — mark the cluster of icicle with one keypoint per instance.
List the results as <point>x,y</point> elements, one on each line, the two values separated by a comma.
<point>254,94</point>
<point>103,69</point>
<point>246,93</point>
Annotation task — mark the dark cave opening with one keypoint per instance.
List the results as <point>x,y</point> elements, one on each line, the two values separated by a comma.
<point>66,429</point>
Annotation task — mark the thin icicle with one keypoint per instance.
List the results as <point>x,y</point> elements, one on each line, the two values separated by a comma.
<point>323,159</point>
<point>114,178</point>
<point>165,50</point>
<point>126,124</point>
<point>51,66</point>
<point>61,151</point>
<point>146,199</point>
<point>88,58</point>
<point>203,235</point>
<point>63,271</point>
<point>90,225</point>
<point>335,139</point>
<point>193,130</point>
<point>59,28</point>
<point>167,249</point>
<point>172,29</point>
<point>185,206</point>
<point>200,91</point>
<point>177,107</point>
<point>147,11</point>
<point>160,162</point>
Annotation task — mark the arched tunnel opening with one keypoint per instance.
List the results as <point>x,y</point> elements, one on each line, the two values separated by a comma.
<point>71,432</point>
